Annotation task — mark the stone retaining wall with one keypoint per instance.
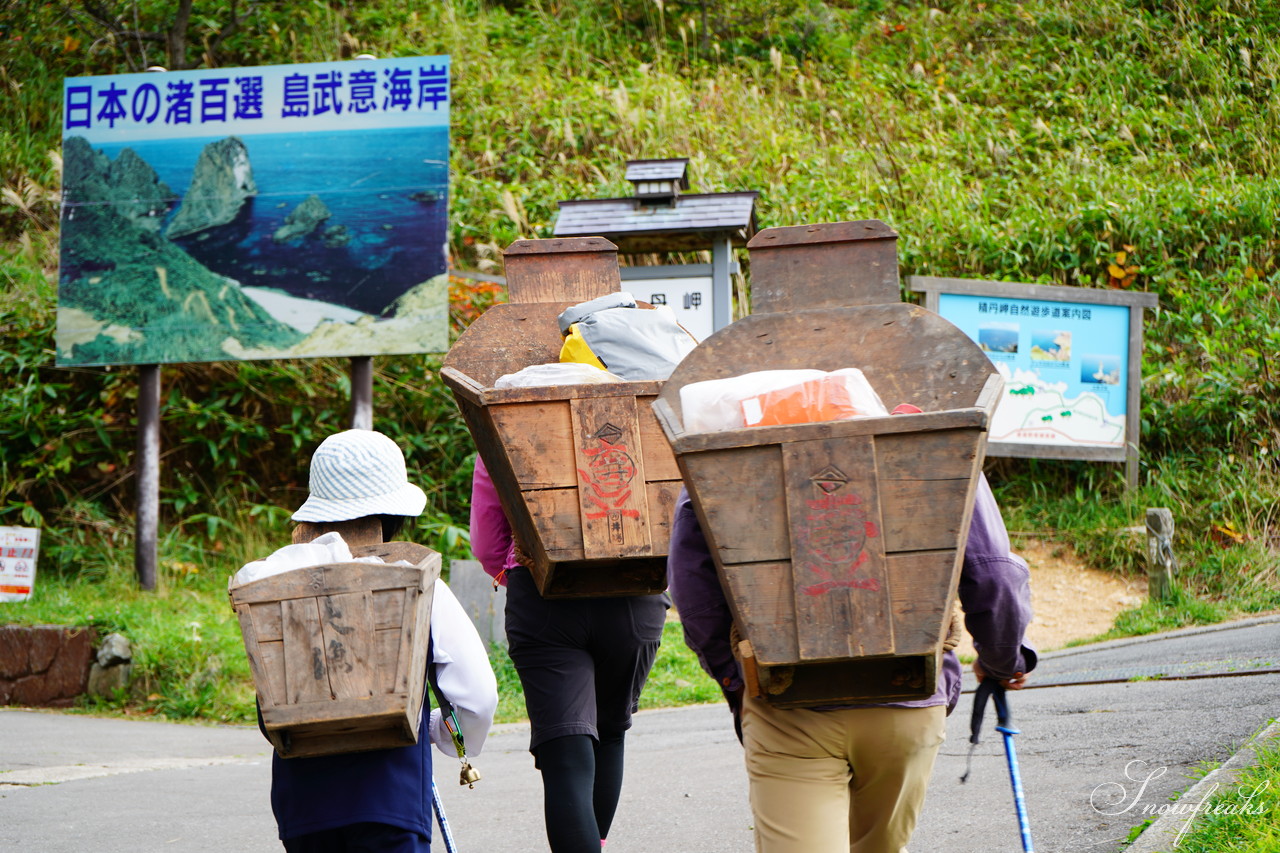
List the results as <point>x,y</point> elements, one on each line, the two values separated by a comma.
<point>45,665</point>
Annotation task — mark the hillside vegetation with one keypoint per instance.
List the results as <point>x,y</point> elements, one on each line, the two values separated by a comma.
<point>1115,143</point>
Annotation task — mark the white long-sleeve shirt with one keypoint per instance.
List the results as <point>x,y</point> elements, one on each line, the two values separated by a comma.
<point>463,672</point>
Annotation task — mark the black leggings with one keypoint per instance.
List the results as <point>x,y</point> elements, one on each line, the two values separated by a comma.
<point>581,782</point>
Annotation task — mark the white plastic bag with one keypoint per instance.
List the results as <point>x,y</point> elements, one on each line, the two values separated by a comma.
<point>716,404</point>
<point>839,395</point>
<point>327,548</point>
<point>556,373</point>
<point>740,401</point>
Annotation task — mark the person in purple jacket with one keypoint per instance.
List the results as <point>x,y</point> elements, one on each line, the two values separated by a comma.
<point>836,780</point>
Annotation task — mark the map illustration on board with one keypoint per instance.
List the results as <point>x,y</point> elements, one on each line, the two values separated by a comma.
<point>1064,365</point>
<point>1040,412</point>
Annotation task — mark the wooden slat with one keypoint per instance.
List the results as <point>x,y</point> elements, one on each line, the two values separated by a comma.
<point>505,339</point>
<point>305,674</point>
<point>418,641</point>
<point>741,494</point>
<point>922,591</point>
<point>334,709</point>
<point>761,596</point>
<point>564,393</point>
<point>404,657</point>
<point>659,460</point>
<point>417,555</point>
<point>270,689</point>
<point>574,269</point>
<point>842,605</point>
<point>661,498</point>
<point>596,578</point>
<point>538,439</point>
<point>941,455</point>
<point>266,621</point>
<point>491,449</point>
<point>347,627</point>
<point>331,579</point>
<point>388,609</point>
<point>387,645</point>
<point>856,681</point>
<point>833,264</point>
<point>906,504</point>
<point>611,481</point>
<point>953,419</point>
<point>560,523</point>
<point>271,686</point>
<point>326,742</point>
<point>559,520</point>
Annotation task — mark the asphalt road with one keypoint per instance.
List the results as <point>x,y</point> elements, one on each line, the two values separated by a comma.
<point>1093,756</point>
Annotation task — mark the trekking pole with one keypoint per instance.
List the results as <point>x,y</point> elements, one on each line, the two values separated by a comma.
<point>438,808</point>
<point>991,687</point>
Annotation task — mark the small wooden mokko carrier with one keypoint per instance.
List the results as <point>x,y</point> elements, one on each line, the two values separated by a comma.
<point>839,544</point>
<point>583,471</point>
<point>339,651</point>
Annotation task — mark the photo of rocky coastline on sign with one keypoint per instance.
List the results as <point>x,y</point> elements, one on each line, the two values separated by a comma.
<point>263,246</point>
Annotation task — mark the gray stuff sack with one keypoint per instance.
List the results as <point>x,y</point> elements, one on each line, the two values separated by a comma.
<point>634,343</point>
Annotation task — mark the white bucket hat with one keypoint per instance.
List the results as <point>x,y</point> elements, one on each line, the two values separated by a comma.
<point>357,473</point>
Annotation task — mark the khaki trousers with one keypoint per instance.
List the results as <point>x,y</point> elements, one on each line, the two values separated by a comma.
<point>850,781</point>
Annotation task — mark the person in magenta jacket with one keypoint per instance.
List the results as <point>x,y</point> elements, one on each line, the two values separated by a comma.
<point>582,663</point>
<point>835,780</point>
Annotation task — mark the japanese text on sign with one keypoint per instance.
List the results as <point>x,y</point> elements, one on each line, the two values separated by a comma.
<point>216,100</point>
<point>1051,312</point>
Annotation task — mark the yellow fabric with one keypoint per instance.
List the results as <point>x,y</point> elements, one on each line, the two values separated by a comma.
<point>847,781</point>
<point>576,349</point>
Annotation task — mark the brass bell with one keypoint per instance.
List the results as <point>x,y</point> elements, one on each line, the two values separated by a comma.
<point>470,776</point>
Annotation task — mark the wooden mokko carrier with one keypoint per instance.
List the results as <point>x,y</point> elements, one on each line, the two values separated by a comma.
<point>339,651</point>
<point>583,471</point>
<point>839,544</point>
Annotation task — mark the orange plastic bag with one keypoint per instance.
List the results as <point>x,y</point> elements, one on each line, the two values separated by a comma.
<point>840,395</point>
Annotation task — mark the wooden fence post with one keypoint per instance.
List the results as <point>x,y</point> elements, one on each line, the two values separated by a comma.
<point>1160,559</point>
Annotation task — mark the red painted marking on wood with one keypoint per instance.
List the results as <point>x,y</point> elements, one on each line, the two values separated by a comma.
<point>608,476</point>
<point>835,534</point>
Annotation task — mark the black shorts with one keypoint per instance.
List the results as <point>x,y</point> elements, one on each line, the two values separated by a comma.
<point>582,661</point>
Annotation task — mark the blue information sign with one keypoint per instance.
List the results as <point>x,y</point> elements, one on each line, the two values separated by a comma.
<point>1065,366</point>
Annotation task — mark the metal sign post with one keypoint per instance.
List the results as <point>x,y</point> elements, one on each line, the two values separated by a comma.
<point>362,392</point>
<point>148,464</point>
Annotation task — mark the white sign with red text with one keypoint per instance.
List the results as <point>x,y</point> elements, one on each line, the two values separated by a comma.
<point>18,549</point>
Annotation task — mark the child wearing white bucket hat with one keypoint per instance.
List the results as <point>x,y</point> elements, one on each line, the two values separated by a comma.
<point>359,473</point>
<point>381,800</point>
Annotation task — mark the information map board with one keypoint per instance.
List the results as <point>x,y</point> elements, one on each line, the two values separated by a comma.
<point>1071,358</point>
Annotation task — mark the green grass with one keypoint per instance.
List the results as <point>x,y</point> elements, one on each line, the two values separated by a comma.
<point>1245,816</point>
<point>676,678</point>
